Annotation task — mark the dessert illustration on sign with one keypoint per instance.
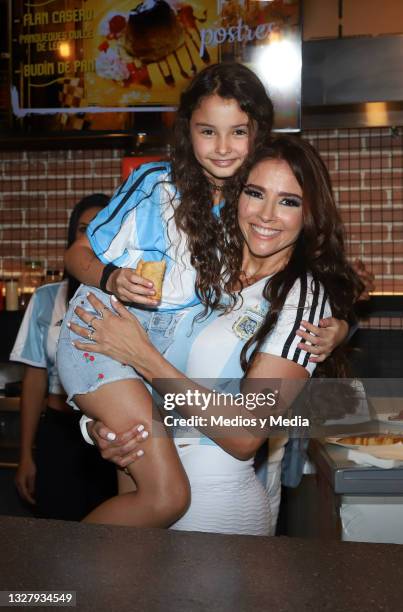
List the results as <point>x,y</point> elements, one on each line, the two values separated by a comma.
<point>152,32</point>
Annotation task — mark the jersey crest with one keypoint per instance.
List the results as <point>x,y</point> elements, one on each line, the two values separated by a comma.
<point>248,322</point>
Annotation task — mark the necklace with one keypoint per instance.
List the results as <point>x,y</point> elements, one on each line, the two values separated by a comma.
<point>248,279</point>
<point>216,187</point>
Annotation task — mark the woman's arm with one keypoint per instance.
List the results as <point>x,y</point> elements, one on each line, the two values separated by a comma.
<point>123,338</point>
<point>34,389</point>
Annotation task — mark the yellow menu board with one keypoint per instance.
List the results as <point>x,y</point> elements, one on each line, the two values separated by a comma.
<point>115,55</point>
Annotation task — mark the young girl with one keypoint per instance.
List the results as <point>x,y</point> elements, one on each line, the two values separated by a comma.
<point>167,212</point>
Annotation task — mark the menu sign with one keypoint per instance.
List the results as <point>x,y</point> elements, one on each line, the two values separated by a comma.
<point>99,56</point>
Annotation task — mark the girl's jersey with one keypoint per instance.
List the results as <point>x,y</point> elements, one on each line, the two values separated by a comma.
<point>37,337</point>
<point>139,224</point>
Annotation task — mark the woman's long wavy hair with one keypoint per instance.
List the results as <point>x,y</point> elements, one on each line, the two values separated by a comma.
<point>319,249</point>
<point>204,230</point>
<point>98,200</point>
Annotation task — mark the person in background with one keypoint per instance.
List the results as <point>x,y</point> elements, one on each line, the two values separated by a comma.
<point>58,473</point>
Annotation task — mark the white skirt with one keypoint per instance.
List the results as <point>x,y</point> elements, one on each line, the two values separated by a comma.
<point>226,496</point>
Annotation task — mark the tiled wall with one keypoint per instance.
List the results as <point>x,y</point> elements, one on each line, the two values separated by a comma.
<point>38,189</point>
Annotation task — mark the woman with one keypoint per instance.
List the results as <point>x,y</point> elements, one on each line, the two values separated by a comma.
<point>286,269</point>
<point>62,477</point>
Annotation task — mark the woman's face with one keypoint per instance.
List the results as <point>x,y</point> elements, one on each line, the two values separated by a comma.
<point>85,219</point>
<point>270,211</point>
<point>220,132</point>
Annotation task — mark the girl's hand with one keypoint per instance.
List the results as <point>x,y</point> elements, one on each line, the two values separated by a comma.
<point>323,339</point>
<point>117,334</point>
<point>25,480</point>
<point>122,449</point>
<point>130,287</point>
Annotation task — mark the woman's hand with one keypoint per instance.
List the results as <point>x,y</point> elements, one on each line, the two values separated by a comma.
<point>122,449</point>
<point>323,339</point>
<point>117,334</point>
<point>130,287</point>
<point>25,479</point>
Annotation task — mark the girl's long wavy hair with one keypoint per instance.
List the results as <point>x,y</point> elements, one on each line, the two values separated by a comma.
<point>99,200</point>
<point>193,216</point>
<point>319,249</point>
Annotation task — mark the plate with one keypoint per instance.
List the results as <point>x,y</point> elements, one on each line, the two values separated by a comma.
<point>383,451</point>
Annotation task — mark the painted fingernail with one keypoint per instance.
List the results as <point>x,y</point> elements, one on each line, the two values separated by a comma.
<point>144,435</point>
<point>111,436</point>
<point>73,344</point>
<point>140,428</point>
<point>114,298</point>
<point>87,294</point>
<point>140,453</point>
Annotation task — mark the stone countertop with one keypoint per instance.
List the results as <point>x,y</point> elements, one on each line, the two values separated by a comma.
<point>151,570</point>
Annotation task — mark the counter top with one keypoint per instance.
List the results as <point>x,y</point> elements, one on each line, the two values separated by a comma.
<point>153,570</point>
<point>346,477</point>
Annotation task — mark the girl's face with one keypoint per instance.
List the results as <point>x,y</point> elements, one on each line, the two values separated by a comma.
<point>220,132</point>
<point>270,211</point>
<point>85,219</point>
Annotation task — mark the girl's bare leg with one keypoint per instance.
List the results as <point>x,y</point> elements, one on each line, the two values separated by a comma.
<point>162,490</point>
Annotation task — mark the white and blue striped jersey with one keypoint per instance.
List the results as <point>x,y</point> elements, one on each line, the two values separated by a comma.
<point>138,224</point>
<point>210,348</point>
<point>37,337</point>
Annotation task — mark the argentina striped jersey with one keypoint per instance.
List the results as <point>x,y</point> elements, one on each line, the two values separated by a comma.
<point>37,337</point>
<point>138,224</point>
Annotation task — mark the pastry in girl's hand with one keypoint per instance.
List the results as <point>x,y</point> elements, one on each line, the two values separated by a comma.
<point>153,271</point>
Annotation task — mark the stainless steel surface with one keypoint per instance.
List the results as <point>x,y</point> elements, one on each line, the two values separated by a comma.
<point>352,70</point>
<point>362,115</point>
<point>346,477</point>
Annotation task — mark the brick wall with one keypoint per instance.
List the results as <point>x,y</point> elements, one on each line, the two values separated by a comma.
<point>38,189</point>
<point>366,166</point>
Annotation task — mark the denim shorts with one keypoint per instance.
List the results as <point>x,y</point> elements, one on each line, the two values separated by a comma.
<point>82,372</point>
